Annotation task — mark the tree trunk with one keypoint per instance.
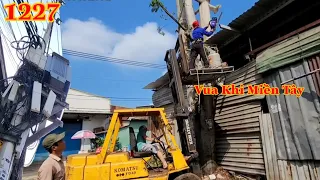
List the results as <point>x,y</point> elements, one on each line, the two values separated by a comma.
<point>189,11</point>
<point>207,129</point>
<point>204,123</point>
<point>204,14</point>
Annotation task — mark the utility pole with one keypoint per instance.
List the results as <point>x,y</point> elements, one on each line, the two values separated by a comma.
<point>36,94</point>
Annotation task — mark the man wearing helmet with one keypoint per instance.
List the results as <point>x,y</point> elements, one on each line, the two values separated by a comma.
<point>197,44</point>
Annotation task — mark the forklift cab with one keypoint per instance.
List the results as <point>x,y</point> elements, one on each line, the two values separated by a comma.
<point>110,164</point>
<point>133,144</point>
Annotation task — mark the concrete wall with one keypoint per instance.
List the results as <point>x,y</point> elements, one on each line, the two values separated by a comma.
<point>83,102</point>
<point>94,121</point>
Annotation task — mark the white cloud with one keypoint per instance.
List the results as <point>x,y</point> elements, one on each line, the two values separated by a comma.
<point>92,36</point>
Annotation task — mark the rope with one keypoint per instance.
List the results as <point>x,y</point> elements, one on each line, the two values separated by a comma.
<point>198,85</point>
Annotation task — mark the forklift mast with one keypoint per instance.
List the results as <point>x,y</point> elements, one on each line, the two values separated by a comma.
<point>182,113</point>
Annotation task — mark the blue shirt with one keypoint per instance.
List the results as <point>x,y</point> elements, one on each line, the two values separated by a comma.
<point>141,140</point>
<point>199,32</point>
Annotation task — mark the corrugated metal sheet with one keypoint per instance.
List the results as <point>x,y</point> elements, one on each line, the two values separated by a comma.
<point>169,109</point>
<point>162,97</point>
<point>160,82</point>
<point>282,169</point>
<point>261,10</point>
<point>314,63</point>
<point>290,50</point>
<point>245,75</point>
<point>296,120</point>
<point>238,142</point>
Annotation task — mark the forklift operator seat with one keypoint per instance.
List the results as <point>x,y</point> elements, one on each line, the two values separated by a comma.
<point>134,149</point>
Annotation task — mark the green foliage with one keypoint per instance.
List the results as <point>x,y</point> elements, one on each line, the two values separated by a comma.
<point>154,162</point>
<point>118,145</point>
<point>159,29</point>
<point>97,142</point>
<point>155,5</point>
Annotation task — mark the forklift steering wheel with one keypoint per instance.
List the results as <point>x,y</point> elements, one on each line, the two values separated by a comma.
<point>157,137</point>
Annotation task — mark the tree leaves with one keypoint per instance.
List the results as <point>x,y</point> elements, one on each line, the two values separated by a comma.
<point>155,5</point>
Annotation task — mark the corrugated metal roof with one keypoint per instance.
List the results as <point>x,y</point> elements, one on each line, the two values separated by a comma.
<point>159,82</point>
<point>290,50</point>
<point>86,93</point>
<point>83,102</point>
<point>257,13</point>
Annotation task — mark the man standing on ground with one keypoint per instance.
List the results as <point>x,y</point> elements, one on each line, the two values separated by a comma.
<point>53,168</point>
<point>197,44</point>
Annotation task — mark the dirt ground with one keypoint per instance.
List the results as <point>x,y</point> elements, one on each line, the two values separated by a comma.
<point>30,173</point>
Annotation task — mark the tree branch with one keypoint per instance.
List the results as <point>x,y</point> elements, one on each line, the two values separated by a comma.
<point>156,4</point>
<point>196,12</point>
<point>200,1</point>
<point>214,9</point>
<point>171,16</point>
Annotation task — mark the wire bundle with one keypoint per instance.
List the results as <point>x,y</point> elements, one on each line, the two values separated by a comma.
<point>112,59</point>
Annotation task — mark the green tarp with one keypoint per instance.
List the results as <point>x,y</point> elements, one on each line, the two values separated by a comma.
<point>290,50</point>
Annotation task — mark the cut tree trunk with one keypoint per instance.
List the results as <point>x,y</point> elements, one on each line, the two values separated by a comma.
<point>204,127</point>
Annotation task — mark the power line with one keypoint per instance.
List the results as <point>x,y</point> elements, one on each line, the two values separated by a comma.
<point>131,98</point>
<point>112,59</point>
<point>110,79</point>
<point>125,100</point>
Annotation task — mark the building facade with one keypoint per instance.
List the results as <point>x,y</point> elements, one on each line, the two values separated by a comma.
<point>86,112</point>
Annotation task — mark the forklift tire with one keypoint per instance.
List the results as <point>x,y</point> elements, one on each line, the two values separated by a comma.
<point>188,176</point>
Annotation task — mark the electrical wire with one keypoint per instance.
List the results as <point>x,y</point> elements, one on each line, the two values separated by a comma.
<point>112,59</point>
<point>7,23</point>
<point>26,43</point>
<point>113,80</point>
<point>133,98</point>
<point>121,100</point>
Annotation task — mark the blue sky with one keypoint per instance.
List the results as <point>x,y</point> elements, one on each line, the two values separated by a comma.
<point>116,28</point>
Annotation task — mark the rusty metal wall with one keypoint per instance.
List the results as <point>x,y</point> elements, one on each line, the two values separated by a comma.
<point>245,75</point>
<point>238,139</point>
<point>296,120</point>
<point>283,169</point>
<point>162,97</point>
<point>169,110</point>
<point>314,63</point>
<point>238,143</point>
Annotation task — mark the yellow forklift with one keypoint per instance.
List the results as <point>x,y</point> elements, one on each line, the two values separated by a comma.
<point>112,165</point>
